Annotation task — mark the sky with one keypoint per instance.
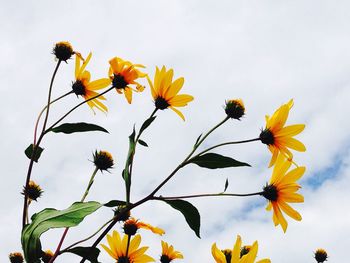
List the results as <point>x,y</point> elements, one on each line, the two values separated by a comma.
<point>264,52</point>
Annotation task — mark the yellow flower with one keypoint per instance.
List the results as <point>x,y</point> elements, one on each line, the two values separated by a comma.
<point>321,255</point>
<point>282,190</point>
<point>118,247</point>
<point>123,74</point>
<point>165,91</point>
<point>83,87</point>
<point>235,255</point>
<point>132,225</point>
<point>168,253</point>
<point>279,137</point>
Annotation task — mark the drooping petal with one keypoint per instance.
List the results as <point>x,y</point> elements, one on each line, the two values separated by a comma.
<point>128,94</point>
<point>217,254</point>
<point>98,84</point>
<point>290,211</point>
<point>178,113</point>
<point>180,100</point>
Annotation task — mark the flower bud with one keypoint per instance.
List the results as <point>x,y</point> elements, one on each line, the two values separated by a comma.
<point>33,191</point>
<point>235,109</point>
<point>103,160</point>
<point>16,257</point>
<point>63,51</point>
<point>321,255</point>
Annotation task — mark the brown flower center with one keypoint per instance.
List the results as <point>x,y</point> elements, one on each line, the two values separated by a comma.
<point>270,192</point>
<point>119,82</point>
<point>161,103</point>
<point>79,88</point>
<point>267,137</point>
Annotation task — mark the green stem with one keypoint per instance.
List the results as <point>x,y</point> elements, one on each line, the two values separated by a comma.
<point>203,195</point>
<point>127,247</point>
<point>89,185</point>
<point>226,143</point>
<point>184,162</point>
<point>86,239</point>
<point>57,251</point>
<point>36,147</point>
<point>43,110</point>
<point>75,107</point>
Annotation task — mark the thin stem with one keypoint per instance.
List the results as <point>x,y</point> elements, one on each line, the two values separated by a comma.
<point>203,195</point>
<point>75,107</point>
<point>43,110</point>
<point>89,185</point>
<point>226,143</point>
<point>36,147</point>
<point>127,247</point>
<point>59,246</point>
<point>57,252</point>
<point>86,239</point>
<point>184,162</point>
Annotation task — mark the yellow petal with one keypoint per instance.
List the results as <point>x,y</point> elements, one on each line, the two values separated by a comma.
<point>290,211</point>
<point>295,144</point>
<point>85,63</point>
<point>128,94</point>
<point>281,220</point>
<point>291,130</point>
<point>292,197</point>
<point>180,100</point>
<point>236,251</point>
<point>217,254</point>
<point>293,175</point>
<point>175,87</point>
<point>99,84</point>
<point>178,113</point>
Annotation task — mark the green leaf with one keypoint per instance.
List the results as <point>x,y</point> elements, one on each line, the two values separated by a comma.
<point>89,253</point>
<point>30,150</point>
<point>114,203</point>
<point>199,137</point>
<point>226,185</point>
<point>190,213</point>
<point>52,218</point>
<point>147,123</point>
<point>143,143</point>
<point>69,128</point>
<point>214,161</point>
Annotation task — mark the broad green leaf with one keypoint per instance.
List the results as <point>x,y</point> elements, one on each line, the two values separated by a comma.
<point>190,213</point>
<point>215,161</point>
<point>69,128</point>
<point>114,203</point>
<point>147,123</point>
<point>89,253</point>
<point>30,150</point>
<point>52,218</point>
<point>143,143</point>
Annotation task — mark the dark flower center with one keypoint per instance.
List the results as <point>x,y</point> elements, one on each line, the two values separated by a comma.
<point>63,51</point>
<point>244,251</point>
<point>103,161</point>
<point>266,137</point>
<point>270,192</point>
<point>123,259</point>
<point>119,82</point>
<point>161,103</point>
<point>234,110</point>
<point>130,228</point>
<point>321,256</point>
<point>228,255</point>
<point>165,259</point>
<point>79,88</point>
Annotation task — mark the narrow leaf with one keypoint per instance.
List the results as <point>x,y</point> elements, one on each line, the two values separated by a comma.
<point>147,123</point>
<point>69,128</point>
<point>30,150</point>
<point>52,218</point>
<point>143,143</point>
<point>89,253</point>
<point>199,137</point>
<point>226,185</point>
<point>215,161</point>
<point>190,213</point>
<point>114,203</point>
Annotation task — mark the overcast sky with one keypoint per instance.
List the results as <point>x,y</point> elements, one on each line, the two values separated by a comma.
<point>265,52</point>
